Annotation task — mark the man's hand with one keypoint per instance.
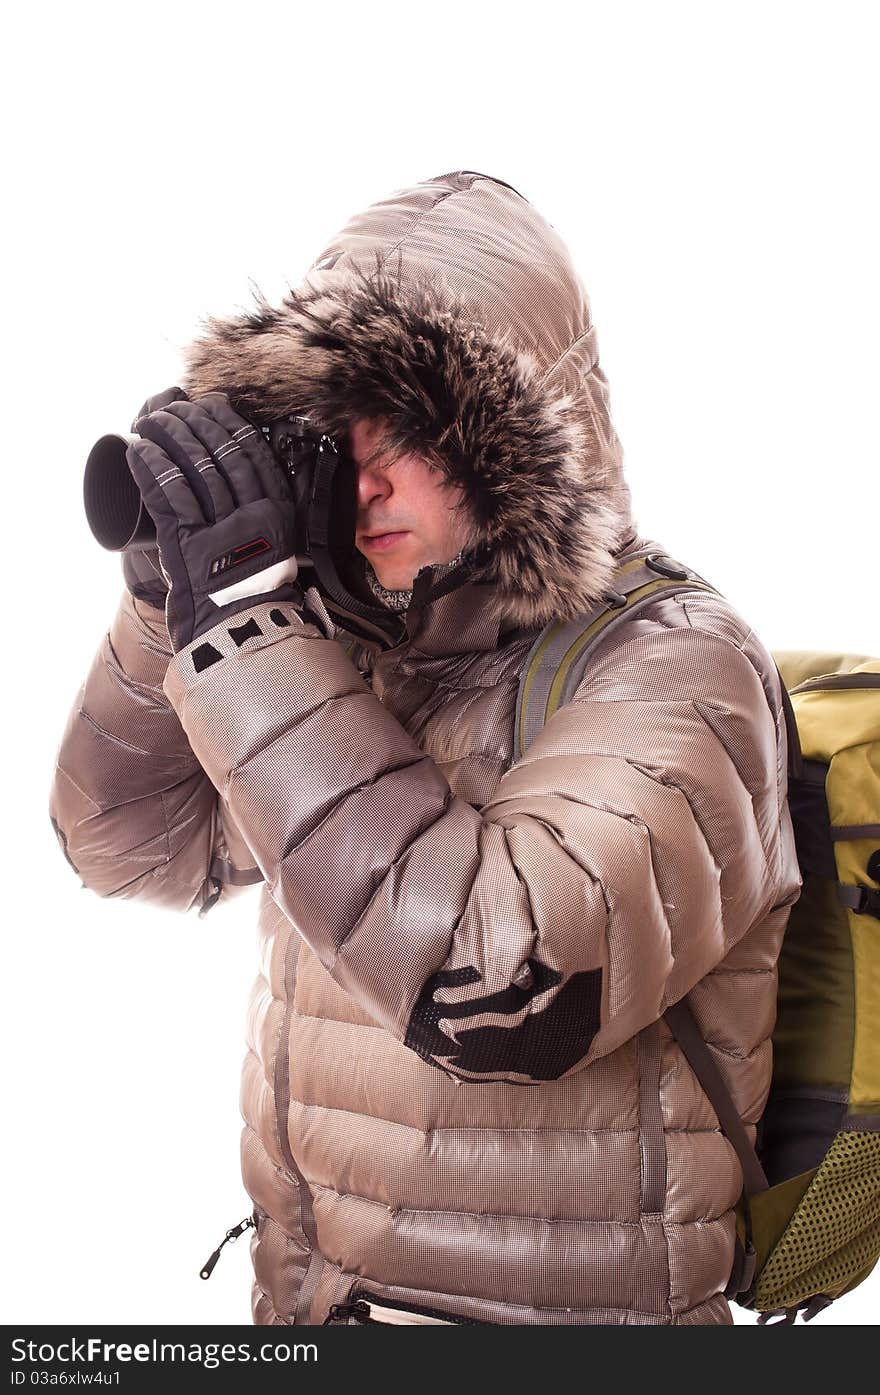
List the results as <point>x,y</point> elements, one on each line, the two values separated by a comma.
<point>223,510</point>
<point>140,566</point>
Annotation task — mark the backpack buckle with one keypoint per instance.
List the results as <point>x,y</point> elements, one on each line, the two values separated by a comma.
<point>861,899</point>
<point>616,600</point>
<point>869,902</point>
<point>743,1274</point>
<point>808,1308</point>
<point>815,1305</point>
<point>784,1317</point>
<point>750,1261</point>
<point>666,566</point>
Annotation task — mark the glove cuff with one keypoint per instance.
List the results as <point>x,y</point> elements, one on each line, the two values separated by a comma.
<point>143,577</point>
<point>269,579</point>
<point>252,628</point>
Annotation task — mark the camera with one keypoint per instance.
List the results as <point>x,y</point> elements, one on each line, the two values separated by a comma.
<point>120,522</point>
<point>323,488</point>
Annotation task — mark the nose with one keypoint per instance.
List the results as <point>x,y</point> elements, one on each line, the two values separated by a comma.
<point>372,484</point>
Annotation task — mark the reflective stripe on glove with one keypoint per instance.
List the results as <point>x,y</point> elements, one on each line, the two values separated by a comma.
<point>223,510</point>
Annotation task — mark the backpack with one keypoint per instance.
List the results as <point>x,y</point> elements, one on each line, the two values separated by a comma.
<point>808,1218</point>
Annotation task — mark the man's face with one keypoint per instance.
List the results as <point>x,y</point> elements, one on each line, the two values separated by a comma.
<point>420,514</point>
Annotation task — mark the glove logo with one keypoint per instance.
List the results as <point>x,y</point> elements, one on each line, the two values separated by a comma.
<point>243,553</point>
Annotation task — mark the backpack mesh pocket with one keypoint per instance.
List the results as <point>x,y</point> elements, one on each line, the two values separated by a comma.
<point>833,1236</point>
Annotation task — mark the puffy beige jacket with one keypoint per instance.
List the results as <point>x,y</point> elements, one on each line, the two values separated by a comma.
<point>459,1097</point>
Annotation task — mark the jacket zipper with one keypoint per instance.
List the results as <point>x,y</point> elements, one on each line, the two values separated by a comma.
<point>207,1268</point>
<point>361,1305</point>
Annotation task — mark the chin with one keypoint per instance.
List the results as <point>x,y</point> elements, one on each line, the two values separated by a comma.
<point>396,575</point>
<point>392,581</point>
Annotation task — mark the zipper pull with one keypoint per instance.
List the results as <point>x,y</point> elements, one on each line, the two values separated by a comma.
<point>207,1268</point>
<point>341,1312</point>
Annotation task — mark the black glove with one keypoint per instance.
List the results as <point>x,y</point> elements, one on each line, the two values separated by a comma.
<point>140,567</point>
<point>223,510</point>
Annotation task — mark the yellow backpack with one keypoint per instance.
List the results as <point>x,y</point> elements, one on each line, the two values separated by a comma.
<point>816,1227</point>
<point>808,1220</point>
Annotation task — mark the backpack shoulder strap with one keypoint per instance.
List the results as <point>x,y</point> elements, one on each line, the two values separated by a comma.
<point>557,660</point>
<point>683,1025</point>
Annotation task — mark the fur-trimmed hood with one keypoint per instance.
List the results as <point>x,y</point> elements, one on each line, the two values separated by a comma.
<point>452,310</point>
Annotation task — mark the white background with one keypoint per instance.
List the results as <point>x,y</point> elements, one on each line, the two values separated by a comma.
<point>713,169</point>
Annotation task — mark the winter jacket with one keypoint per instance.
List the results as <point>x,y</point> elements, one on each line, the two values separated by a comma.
<point>459,1095</point>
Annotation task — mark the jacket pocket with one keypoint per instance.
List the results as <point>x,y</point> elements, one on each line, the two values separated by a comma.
<point>363,1308</point>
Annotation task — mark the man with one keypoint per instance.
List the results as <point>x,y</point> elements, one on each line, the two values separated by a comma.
<point>430,520</point>
<point>461,1102</point>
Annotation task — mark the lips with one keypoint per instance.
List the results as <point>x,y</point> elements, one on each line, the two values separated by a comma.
<point>383,540</point>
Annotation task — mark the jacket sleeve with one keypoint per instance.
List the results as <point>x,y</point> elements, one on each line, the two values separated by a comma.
<point>133,810</point>
<point>617,863</point>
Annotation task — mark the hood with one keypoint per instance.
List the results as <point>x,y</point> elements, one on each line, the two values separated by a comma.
<point>452,310</point>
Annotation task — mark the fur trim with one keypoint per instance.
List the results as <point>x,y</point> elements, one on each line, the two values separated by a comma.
<point>377,345</point>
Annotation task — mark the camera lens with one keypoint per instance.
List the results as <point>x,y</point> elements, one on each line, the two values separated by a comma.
<point>113,505</point>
